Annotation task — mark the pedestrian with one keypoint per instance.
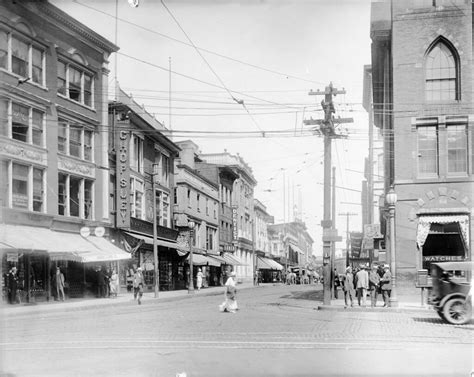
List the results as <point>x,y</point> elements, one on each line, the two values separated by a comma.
<point>374,286</point>
<point>12,286</point>
<point>101,282</point>
<point>114,283</point>
<point>348,287</point>
<point>138,285</point>
<point>60,283</point>
<point>336,282</point>
<point>362,285</point>
<point>199,279</point>
<point>386,286</point>
<point>230,302</point>
<point>256,277</point>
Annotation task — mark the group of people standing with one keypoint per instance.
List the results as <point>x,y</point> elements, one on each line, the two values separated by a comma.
<point>108,283</point>
<point>365,280</point>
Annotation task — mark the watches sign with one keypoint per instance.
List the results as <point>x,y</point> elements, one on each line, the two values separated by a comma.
<point>122,175</point>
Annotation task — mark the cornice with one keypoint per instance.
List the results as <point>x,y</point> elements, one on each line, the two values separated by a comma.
<point>64,19</point>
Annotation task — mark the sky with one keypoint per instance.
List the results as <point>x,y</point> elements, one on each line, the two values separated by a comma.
<point>221,68</point>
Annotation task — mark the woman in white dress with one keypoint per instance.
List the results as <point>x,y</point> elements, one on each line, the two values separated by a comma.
<point>114,282</point>
<point>230,303</point>
<point>199,279</point>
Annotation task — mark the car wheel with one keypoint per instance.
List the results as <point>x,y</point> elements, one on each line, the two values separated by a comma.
<point>456,311</point>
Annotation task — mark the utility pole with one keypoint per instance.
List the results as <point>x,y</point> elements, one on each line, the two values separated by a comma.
<point>327,129</point>
<point>347,214</point>
<point>333,227</point>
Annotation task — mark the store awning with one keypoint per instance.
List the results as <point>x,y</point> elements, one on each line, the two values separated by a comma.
<point>424,225</point>
<point>268,264</point>
<point>296,248</point>
<point>60,245</point>
<point>149,240</point>
<point>218,258</point>
<point>204,260</point>
<point>233,260</point>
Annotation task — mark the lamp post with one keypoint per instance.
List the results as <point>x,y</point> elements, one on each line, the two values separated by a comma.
<point>155,246</point>
<point>191,278</point>
<point>391,200</point>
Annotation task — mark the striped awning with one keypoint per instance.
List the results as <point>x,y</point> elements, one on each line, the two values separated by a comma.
<point>268,264</point>
<point>233,260</point>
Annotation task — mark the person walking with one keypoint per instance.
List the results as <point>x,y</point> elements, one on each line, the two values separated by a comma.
<point>138,285</point>
<point>374,286</point>
<point>12,285</point>
<point>362,285</point>
<point>230,303</point>
<point>60,283</point>
<point>199,279</point>
<point>348,287</point>
<point>336,282</point>
<point>114,283</point>
<point>386,286</point>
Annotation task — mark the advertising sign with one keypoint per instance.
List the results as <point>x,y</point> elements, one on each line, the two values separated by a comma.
<point>356,244</point>
<point>122,191</point>
<point>234,223</point>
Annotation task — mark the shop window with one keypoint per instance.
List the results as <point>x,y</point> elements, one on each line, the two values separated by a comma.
<point>457,148</point>
<point>441,73</point>
<point>427,137</point>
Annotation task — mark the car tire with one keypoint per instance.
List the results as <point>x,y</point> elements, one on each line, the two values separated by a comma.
<point>456,311</point>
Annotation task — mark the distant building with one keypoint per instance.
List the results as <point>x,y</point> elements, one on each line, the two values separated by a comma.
<point>423,96</point>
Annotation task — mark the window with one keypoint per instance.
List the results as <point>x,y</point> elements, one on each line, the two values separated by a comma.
<point>88,199</point>
<point>209,238</point>
<point>441,74</point>
<point>37,129</point>
<point>189,198</point>
<point>207,207</point>
<point>20,186</point>
<point>38,190</point>
<point>20,122</point>
<point>198,201</point>
<point>74,83</point>
<point>136,155</point>
<point>3,117</point>
<point>457,148</point>
<point>75,196</point>
<point>165,170</point>
<point>75,140</point>
<point>21,57</point>
<point>27,187</point>
<point>62,194</point>
<point>3,49</point>
<point>75,144</point>
<point>136,198</point>
<point>427,150</point>
<point>162,208</point>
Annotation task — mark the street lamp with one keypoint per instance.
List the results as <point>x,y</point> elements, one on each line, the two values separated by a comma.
<point>191,283</point>
<point>391,200</point>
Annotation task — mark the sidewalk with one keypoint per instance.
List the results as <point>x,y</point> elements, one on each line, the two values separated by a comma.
<point>123,298</point>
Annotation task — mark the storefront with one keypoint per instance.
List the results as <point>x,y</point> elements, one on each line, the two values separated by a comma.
<point>270,271</point>
<point>37,255</point>
<point>442,238</point>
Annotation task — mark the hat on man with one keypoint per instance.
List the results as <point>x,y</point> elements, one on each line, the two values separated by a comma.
<point>386,267</point>
<point>139,269</point>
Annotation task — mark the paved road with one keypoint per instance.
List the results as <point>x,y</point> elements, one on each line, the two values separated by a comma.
<point>276,332</point>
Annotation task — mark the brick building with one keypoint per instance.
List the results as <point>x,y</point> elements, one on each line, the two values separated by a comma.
<point>423,102</point>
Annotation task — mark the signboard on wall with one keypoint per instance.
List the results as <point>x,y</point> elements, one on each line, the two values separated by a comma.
<point>235,230</point>
<point>122,174</point>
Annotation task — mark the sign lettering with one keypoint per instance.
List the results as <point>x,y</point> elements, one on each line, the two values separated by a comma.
<point>122,176</point>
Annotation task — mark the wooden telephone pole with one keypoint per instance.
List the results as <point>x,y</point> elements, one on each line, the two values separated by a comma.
<point>326,127</point>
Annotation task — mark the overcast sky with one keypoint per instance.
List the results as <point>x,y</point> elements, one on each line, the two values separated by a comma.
<point>268,54</point>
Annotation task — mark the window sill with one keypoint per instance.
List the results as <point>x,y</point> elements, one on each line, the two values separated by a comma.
<point>18,77</point>
<point>60,95</point>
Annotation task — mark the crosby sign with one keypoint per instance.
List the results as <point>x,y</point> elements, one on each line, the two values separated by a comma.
<point>123,175</point>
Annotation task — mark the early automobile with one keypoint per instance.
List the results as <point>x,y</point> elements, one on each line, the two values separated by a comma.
<point>451,293</point>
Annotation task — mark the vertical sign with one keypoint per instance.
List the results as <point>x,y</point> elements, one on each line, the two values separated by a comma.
<point>122,175</point>
<point>234,223</point>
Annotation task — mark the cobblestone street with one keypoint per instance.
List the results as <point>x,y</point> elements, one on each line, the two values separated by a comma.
<point>274,332</point>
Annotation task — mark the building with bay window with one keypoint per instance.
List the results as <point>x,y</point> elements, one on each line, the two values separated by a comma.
<point>53,134</point>
<point>423,95</point>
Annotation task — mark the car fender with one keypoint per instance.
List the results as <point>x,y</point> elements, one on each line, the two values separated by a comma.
<point>449,297</point>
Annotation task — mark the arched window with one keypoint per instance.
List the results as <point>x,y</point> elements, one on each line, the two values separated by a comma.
<point>442,77</point>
